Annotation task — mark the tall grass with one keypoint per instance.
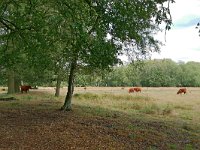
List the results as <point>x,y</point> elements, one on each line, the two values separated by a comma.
<point>125,103</point>
<point>163,104</point>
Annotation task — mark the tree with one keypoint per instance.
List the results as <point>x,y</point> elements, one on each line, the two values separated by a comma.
<point>28,41</point>
<point>190,74</point>
<point>21,37</point>
<point>132,22</point>
<point>8,47</point>
<point>160,73</point>
<point>134,73</point>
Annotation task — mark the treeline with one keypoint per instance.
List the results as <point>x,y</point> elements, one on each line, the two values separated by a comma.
<point>150,73</point>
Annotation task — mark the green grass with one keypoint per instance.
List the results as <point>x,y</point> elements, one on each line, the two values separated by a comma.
<point>37,101</point>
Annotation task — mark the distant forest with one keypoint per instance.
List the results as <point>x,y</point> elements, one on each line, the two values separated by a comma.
<point>148,73</point>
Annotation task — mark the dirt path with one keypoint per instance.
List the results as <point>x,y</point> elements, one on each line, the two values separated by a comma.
<point>57,130</point>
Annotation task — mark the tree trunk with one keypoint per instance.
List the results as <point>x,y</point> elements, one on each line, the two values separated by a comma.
<point>11,82</point>
<point>58,83</point>
<point>67,105</point>
<point>17,83</point>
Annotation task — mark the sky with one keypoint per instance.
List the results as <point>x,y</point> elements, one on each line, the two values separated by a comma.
<point>183,40</point>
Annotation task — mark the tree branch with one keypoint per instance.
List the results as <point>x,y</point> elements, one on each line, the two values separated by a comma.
<point>94,25</point>
<point>4,24</point>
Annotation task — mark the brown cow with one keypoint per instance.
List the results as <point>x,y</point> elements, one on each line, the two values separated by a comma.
<point>182,90</point>
<point>25,88</point>
<point>136,89</point>
<point>131,90</point>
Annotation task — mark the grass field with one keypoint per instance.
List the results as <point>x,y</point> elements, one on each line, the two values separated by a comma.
<point>102,118</point>
<point>157,102</point>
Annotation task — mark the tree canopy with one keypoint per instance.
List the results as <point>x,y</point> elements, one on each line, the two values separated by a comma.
<point>79,34</point>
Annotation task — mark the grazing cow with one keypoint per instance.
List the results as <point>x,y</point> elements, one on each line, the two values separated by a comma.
<point>182,90</point>
<point>25,88</point>
<point>131,90</point>
<point>137,89</point>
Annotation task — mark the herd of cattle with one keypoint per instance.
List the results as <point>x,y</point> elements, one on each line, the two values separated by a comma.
<point>138,89</point>
<point>25,88</point>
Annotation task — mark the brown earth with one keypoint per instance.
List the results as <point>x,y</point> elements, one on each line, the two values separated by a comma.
<point>57,130</point>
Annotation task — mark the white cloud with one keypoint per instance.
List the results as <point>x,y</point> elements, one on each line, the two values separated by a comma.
<point>182,8</point>
<point>182,41</point>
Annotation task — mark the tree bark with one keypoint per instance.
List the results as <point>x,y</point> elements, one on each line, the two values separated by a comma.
<point>68,99</point>
<point>11,82</point>
<point>58,83</point>
<point>17,83</point>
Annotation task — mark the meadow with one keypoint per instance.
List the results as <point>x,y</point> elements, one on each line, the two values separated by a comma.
<point>162,103</point>
<point>102,118</point>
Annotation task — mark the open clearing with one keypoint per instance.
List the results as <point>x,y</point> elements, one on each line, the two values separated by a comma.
<point>102,118</point>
